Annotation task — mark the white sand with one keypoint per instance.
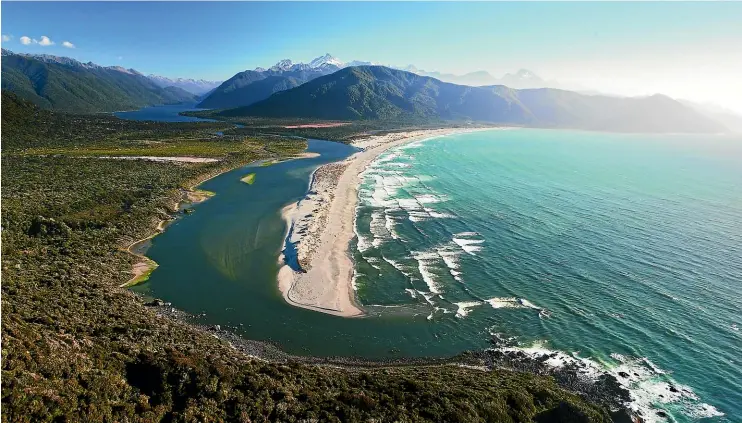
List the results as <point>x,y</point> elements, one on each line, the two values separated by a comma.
<point>323,228</point>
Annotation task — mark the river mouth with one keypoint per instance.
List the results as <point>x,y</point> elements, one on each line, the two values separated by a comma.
<point>220,263</point>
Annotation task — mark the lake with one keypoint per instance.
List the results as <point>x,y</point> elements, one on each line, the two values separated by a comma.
<point>164,113</point>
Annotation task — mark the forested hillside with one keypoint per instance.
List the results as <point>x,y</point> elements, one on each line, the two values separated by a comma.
<point>251,86</point>
<point>65,84</point>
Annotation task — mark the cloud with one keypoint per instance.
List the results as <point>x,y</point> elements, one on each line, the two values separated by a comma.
<point>120,58</point>
<point>68,44</point>
<point>7,38</point>
<point>45,41</point>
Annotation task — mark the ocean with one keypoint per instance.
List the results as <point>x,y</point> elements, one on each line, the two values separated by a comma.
<point>620,251</point>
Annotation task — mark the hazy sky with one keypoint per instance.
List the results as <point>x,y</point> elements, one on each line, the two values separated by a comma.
<point>686,50</point>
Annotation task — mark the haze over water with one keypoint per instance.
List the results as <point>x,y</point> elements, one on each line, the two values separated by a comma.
<point>625,248</point>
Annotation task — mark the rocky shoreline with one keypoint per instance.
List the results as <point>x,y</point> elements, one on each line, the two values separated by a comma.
<point>604,389</point>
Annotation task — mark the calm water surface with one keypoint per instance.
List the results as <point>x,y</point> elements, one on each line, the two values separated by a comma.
<point>166,113</point>
<point>624,248</point>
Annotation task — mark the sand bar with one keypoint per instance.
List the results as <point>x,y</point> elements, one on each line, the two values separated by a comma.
<point>322,223</point>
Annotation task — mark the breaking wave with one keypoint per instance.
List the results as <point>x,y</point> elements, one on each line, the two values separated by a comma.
<point>652,393</point>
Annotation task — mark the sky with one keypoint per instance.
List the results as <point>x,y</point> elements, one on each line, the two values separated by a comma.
<point>686,50</point>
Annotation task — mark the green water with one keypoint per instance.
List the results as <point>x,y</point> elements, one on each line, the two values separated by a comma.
<point>626,248</point>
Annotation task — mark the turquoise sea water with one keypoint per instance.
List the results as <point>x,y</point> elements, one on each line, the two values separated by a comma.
<point>624,248</point>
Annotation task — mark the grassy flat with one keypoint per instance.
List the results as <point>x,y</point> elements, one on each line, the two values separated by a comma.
<point>249,179</point>
<point>144,269</point>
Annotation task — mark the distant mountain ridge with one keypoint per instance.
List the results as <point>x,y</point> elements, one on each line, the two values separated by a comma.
<point>193,86</point>
<point>377,92</point>
<point>67,61</point>
<point>250,86</point>
<point>65,84</point>
<point>730,119</point>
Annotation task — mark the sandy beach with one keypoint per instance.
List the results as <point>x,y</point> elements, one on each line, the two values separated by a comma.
<point>322,224</point>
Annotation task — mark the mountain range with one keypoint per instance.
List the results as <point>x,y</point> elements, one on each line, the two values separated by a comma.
<point>728,118</point>
<point>66,84</point>
<point>377,92</point>
<point>193,86</point>
<point>521,79</point>
<point>254,85</point>
<point>328,88</point>
<point>250,86</point>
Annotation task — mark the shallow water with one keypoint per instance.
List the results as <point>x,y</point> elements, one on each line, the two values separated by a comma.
<point>626,248</point>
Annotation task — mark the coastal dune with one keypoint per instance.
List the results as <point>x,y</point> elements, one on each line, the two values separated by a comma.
<point>321,226</point>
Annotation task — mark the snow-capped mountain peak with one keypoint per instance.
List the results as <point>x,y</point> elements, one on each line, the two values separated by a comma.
<point>194,86</point>
<point>327,59</point>
<point>322,62</point>
<point>283,65</point>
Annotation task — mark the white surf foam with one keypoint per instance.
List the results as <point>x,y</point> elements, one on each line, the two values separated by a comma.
<point>528,304</point>
<point>428,199</point>
<point>650,388</point>
<point>372,261</point>
<point>437,215</point>
<point>425,261</point>
<point>514,302</point>
<point>464,308</point>
<point>469,245</point>
<point>416,216</point>
<point>389,223</point>
<point>450,258</point>
<point>399,266</point>
<point>504,302</point>
<point>354,280</point>
<point>363,242</point>
<point>377,228</point>
<point>428,296</point>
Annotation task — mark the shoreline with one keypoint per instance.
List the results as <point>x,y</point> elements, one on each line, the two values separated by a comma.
<point>496,358</point>
<point>321,226</point>
<point>191,195</point>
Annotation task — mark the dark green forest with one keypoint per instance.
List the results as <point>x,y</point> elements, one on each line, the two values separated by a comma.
<point>64,84</point>
<point>77,348</point>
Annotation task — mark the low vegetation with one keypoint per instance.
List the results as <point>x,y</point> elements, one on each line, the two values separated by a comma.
<point>258,126</point>
<point>249,178</point>
<point>77,347</point>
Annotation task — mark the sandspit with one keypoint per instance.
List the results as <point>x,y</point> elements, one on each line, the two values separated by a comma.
<point>321,227</point>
